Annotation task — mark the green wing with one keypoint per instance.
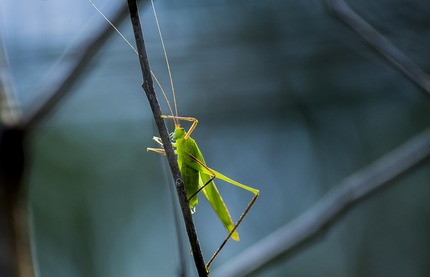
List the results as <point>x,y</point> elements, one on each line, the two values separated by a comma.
<point>214,197</point>
<point>194,159</point>
<point>212,194</point>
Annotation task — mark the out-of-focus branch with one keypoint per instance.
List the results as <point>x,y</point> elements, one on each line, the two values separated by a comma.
<point>174,168</point>
<point>10,114</point>
<point>55,90</point>
<point>15,248</point>
<point>314,222</point>
<point>383,46</point>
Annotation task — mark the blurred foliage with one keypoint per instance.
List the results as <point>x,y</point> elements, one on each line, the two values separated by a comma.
<point>289,101</point>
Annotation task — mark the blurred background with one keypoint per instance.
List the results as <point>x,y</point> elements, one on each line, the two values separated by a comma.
<point>289,101</point>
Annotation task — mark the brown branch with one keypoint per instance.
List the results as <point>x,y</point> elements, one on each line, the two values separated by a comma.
<point>327,211</point>
<point>155,107</point>
<point>383,46</point>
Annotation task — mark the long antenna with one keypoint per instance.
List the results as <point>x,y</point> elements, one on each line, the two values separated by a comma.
<point>134,49</point>
<point>167,61</point>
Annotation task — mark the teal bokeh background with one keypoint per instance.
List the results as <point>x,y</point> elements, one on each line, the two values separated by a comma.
<point>289,101</point>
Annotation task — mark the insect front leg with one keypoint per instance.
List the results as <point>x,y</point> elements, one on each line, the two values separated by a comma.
<point>158,140</point>
<point>157,150</point>
<point>190,119</point>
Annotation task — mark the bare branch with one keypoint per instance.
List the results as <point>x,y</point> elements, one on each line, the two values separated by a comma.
<point>346,15</point>
<point>352,191</point>
<point>152,98</point>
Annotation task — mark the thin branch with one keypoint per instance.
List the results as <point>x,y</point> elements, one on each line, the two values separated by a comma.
<point>346,15</point>
<point>55,90</point>
<point>314,222</point>
<point>152,98</point>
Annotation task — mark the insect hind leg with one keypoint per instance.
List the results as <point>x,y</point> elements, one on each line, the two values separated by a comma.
<point>232,230</point>
<point>202,187</point>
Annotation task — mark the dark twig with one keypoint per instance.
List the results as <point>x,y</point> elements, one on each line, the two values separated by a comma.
<point>55,90</point>
<point>152,98</point>
<point>314,222</point>
<point>346,15</point>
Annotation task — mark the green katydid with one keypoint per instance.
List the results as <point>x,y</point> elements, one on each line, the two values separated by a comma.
<point>197,176</point>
